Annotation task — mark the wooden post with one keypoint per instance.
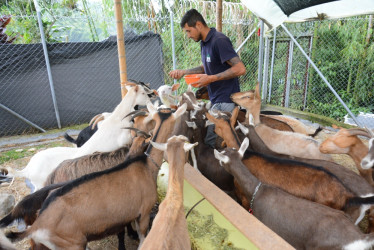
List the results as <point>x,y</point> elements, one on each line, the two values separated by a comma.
<point>219,16</point>
<point>121,46</point>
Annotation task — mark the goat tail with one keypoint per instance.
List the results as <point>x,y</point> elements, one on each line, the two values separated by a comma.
<point>27,209</point>
<point>358,201</point>
<point>70,139</point>
<point>5,243</point>
<point>319,129</point>
<point>16,236</point>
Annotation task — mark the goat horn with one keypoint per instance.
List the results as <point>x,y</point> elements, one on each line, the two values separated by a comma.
<point>370,131</point>
<point>360,131</point>
<point>136,113</point>
<point>146,135</point>
<point>96,119</point>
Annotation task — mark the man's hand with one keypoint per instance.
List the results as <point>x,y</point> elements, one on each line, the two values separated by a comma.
<point>205,80</point>
<point>177,74</point>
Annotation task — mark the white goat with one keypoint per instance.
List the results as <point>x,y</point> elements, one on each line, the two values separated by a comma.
<point>282,142</point>
<point>109,137</point>
<point>165,92</point>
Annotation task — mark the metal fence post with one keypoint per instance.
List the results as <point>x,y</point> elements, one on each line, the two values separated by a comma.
<point>307,72</point>
<point>289,74</point>
<point>47,62</point>
<point>173,41</point>
<point>272,63</point>
<point>261,53</point>
<point>322,76</point>
<point>266,68</point>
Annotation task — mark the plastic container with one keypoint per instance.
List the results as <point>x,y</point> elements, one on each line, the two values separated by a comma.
<point>191,79</point>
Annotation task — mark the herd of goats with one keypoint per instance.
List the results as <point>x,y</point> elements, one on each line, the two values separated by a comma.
<point>269,163</point>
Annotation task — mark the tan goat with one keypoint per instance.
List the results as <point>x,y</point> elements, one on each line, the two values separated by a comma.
<point>346,141</point>
<point>283,142</point>
<point>169,228</point>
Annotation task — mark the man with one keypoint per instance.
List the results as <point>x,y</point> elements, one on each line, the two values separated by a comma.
<point>221,65</point>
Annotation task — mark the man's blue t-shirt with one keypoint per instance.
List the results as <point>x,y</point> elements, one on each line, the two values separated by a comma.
<point>215,51</point>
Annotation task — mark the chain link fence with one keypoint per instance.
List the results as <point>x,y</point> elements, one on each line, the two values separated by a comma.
<point>341,49</point>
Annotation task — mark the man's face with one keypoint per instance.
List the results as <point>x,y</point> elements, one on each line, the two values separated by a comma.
<point>193,32</point>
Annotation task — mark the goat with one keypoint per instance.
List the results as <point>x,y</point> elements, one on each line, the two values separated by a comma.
<point>346,141</point>
<point>82,137</point>
<point>268,118</point>
<point>368,161</point>
<point>70,170</point>
<point>77,167</point>
<point>354,182</point>
<point>285,214</point>
<point>169,228</point>
<point>86,133</point>
<point>206,162</point>
<point>165,92</point>
<point>109,137</point>
<point>283,142</point>
<point>296,177</point>
<point>99,204</point>
<point>202,93</point>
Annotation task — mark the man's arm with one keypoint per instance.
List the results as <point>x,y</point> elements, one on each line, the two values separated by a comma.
<point>178,73</point>
<point>237,69</point>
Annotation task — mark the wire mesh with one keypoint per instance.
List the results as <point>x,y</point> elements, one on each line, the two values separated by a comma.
<point>342,50</point>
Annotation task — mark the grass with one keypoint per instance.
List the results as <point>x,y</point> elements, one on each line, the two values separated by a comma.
<point>15,154</point>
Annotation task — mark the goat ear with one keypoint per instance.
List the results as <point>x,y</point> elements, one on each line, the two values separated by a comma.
<point>191,124</point>
<point>188,146</point>
<point>159,146</point>
<point>234,116</point>
<point>251,120</point>
<point>210,117</point>
<point>257,91</point>
<point>208,105</point>
<point>180,111</point>
<point>189,88</point>
<point>243,128</point>
<point>221,157</point>
<point>243,147</point>
<point>155,92</point>
<point>175,87</point>
<point>152,110</point>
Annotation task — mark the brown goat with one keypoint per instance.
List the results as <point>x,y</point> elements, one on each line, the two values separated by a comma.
<point>102,203</point>
<point>169,228</point>
<point>285,214</point>
<point>283,142</point>
<point>75,168</point>
<point>301,179</point>
<point>346,141</point>
<point>351,180</point>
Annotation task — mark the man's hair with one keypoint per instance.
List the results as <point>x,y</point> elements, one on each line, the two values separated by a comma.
<point>191,17</point>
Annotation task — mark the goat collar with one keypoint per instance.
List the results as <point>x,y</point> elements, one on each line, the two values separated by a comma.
<point>253,197</point>
<point>146,153</point>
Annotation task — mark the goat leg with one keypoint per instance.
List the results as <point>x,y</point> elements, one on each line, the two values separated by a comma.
<point>131,232</point>
<point>121,240</point>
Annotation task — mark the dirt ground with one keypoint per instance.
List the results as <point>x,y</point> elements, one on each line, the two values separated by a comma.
<point>19,189</point>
